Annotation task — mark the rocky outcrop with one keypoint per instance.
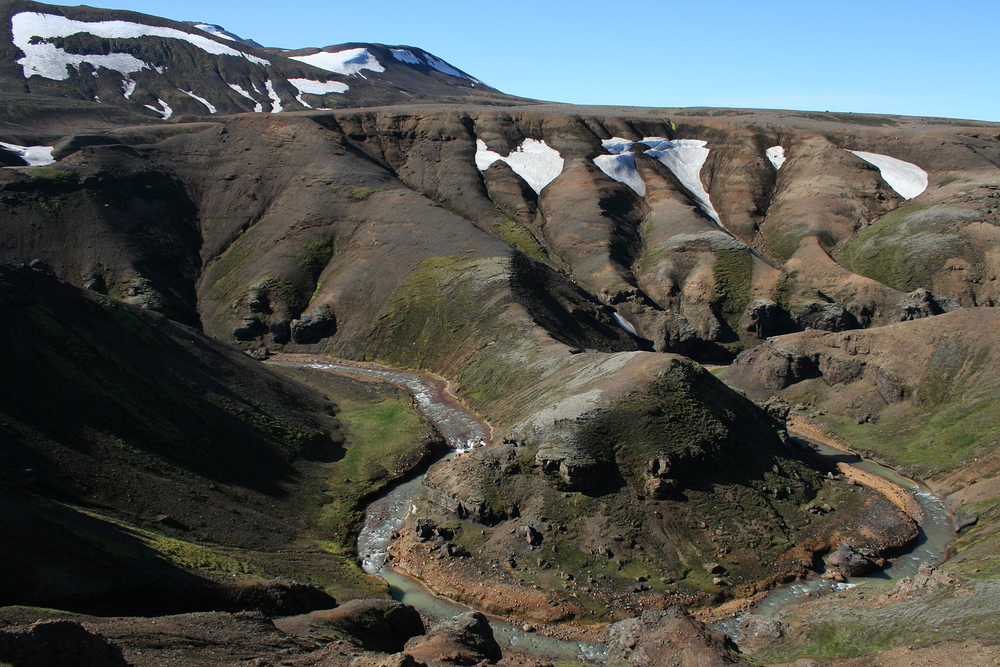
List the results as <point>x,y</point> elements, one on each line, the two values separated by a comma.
<point>377,625</point>
<point>65,643</point>
<point>669,638</point>
<point>466,639</point>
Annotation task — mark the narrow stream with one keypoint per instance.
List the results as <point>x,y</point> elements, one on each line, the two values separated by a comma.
<point>936,533</point>
<point>464,430</point>
<point>386,515</point>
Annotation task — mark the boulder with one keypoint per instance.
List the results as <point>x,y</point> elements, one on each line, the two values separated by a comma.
<point>63,643</point>
<point>377,625</point>
<point>282,597</point>
<point>765,318</point>
<point>668,638</point>
<point>848,560</point>
<point>314,327</point>
<point>250,328</point>
<point>826,317</point>
<point>466,639</point>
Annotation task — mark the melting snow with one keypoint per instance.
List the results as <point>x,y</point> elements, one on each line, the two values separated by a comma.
<point>624,324</point>
<point>533,161</point>
<point>129,87</point>
<point>165,109</point>
<point>216,30</point>
<point>35,156</point>
<point>316,88</point>
<point>776,154</point>
<point>351,61</point>
<point>275,100</point>
<point>906,178</point>
<point>685,158</point>
<point>617,145</point>
<point>258,107</point>
<point>621,167</point>
<point>208,105</point>
<point>443,67</point>
<point>406,56</point>
<point>44,59</point>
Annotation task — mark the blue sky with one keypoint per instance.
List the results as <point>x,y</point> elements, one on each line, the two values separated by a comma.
<point>880,56</point>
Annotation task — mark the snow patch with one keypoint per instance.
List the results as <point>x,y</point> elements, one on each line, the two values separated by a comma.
<point>685,158</point>
<point>406,56</point>
<point>275,100</point>
<point>258,107</point>
<point>316,88</point>
<point>776,154</point>
<point>621,167</point>
<point>905,178</point>
<point>319,87</point>
<point>624,324</point>
<point>443,67</point>
<point>35,156</point>
<point>30,30</point>
<point>208,105</point>
<point>164,109</point>
<point>617,145</point>
<point>534,161</point>
<point>128,86</point>
<point>347,62</point>
<point>216,30</point>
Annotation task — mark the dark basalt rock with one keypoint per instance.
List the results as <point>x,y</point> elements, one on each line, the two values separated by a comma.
<point>465,639</point>
<point>826,317</point>
<point>314,327</point>
<point>64,643</point>
<point>249,329</point>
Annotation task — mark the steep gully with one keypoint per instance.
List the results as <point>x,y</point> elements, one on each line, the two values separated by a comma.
<point>464,430</point>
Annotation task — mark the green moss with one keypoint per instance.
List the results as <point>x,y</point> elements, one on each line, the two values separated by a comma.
<point>733,278</point>
<point>905,248</point>
<point>517,235</point>
<point>363,193</point>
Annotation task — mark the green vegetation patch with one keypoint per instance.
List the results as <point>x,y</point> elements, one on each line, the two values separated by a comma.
<point>905,248</point>
<point>517,235</point>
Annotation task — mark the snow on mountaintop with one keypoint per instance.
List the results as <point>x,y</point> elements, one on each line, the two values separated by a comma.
<point>35,156</point>
<point>905,178</point>
<point>222,33</point>
<point>406,56</point>
<point>31,30</point>
<point>776,154</point>
<point>349,62</point>
<point>534,161</point>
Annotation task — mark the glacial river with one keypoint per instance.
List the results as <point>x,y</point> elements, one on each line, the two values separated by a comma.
<point>464,430</point>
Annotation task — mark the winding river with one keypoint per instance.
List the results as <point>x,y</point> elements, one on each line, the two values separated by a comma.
<point>464,430</point>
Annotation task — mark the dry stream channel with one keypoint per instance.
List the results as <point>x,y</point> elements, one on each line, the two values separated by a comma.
<point>463,430</point>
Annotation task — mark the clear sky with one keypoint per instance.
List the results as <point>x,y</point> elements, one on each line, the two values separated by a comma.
<point>913,57</point>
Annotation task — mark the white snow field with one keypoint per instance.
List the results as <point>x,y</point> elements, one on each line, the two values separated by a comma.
<point>47,60</point>
<point>128,87</point>
<point>905,178</point>
<point>349,62</point>
<point>216,30</point>
<point>621,167</point>
<point>208,105</point>
<point>406,56</point>
<point>534,161</point>
<point>685,158</point>
<point>316,88</point>
<point>35,156</point>
<point>164,109</point>
<point>275,100</point>
<point>776,154</point>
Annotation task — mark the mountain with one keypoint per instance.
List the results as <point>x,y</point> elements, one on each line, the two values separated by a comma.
<point>565,268</point>
<point>168,69</point>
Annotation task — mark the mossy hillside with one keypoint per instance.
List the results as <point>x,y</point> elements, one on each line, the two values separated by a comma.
<point>850,626</point>
<point>906,248</point>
